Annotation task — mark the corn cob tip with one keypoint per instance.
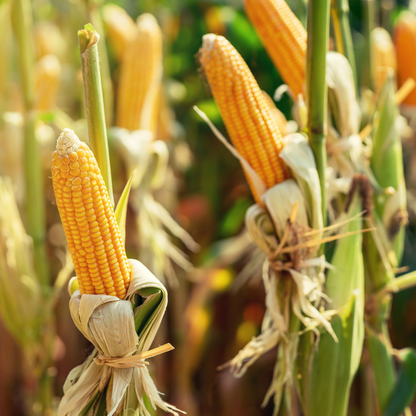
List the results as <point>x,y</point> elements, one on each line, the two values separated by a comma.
<point>67,142</point>
<point>208,41</point>
<point>147,21</point>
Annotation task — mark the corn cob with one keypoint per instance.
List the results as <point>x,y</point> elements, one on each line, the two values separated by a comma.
<point>284,38</point>
<point>384,56</point>
<point>120,28</point>
<point>140,71</point>
<point>247,117</point>
<point>89,222</point>
<point>48,40</point>
<point>277,115</point>
<point>47,80</point>
<point>405,42</point>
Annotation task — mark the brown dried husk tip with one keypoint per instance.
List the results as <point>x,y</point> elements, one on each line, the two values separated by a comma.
<point>362,186</point>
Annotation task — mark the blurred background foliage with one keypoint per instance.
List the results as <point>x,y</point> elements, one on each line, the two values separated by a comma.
<point>213,199</point>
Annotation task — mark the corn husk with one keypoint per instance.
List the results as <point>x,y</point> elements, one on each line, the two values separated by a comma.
<point>98,317</point>
<point>299,158</point>
<point>328,369</point>
<point>23,307</point>
<point>342,99</point>
<point>289,302</point>
<point>301,293</point>
<point>11,155</point>
<point>387,166</point>
<point>154,223</point>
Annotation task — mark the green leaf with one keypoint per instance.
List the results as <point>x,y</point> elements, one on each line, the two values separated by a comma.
<point>121,210</point>
<point>326,381</point>
<point>234,218</point>
<point>328,369</point>
<point>383,366</point>
<point>387,166</point>
<point>405,387</point>
<point>143,312</point>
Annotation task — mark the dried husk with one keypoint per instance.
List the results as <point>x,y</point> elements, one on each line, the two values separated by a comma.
<point>342,99</point>
<point>155,225</point>
<point>109,324</point>
<point>24,308</point>
<point>294,300</point>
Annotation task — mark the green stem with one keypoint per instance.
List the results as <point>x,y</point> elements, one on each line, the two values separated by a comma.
<point>340,19</point>
<point>401,283</point>
<point>318,34</point>
<point>35,204</point>
<point>95,18</point>
<point>94,102</point>
<point>367,62</point>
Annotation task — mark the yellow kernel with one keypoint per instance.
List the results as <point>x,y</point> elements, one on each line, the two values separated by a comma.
<point>73,156</point>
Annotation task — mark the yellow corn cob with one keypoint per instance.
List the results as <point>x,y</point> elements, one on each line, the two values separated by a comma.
<point>140,73</point>
<point>277,115</point>
<point>246,115</point>
<point>48,40</point>
<point>47,80</point>
<point>284,38</point>
<point>120,28</point>
<point>405,41</point>
<point>88,218</point>
<point>383,55</point>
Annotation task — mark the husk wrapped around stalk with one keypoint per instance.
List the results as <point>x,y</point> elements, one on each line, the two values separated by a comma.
<point>293,282</point>
<point>328,369</point>
<point>109,381</point>
<point>155,225</point>
<point>383,249</point>
<point>387,166</point>
<point>345,149</point>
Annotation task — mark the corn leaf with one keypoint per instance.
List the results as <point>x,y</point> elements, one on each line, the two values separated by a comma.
<point>387,166</point>
<point>383,367</point>
<point>331,368</point>
<point>121,209</point>
<point>142,313</point>
<point>405,387</point>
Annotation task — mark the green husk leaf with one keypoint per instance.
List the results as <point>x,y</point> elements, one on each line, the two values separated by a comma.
<point>387,166</point>
<point>145,311</point>
<point>331,368</point>
<point>383,366</point>
<point>121,209</point>
<point>328,370</point>
<point>405,388</point>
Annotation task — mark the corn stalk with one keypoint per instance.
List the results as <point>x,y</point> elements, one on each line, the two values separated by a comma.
<point>317,90</point>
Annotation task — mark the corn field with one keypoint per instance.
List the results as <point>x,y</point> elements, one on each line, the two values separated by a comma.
<point>207,207</point>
